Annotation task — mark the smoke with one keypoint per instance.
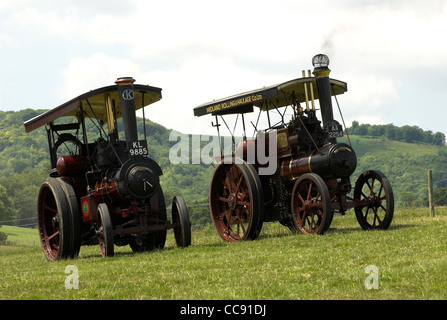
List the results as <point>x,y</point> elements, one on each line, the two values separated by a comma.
<point>328,46</point>
<point>330,39</point>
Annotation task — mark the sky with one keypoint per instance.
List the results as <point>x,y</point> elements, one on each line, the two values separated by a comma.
<point>392,54</point>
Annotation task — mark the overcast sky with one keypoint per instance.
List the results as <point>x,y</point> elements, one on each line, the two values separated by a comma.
<point>392,54</point>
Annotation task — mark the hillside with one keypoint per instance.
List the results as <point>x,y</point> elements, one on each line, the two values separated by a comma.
<point>405,164</point>
<point>363,145</point>
<point>24,164</point>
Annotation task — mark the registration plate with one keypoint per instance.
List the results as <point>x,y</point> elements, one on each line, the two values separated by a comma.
<point>137,148</point>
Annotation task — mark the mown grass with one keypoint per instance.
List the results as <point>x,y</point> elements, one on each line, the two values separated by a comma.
<point>411,259</point>
<point>18,236</point>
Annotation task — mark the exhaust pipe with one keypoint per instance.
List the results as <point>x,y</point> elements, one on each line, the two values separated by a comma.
<point>127,101</point>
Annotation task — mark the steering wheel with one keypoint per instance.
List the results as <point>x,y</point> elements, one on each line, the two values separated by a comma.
<point>70,142</point>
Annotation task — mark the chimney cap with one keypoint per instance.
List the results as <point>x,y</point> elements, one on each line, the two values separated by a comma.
<point>124,80</point>
<point>320,61</point>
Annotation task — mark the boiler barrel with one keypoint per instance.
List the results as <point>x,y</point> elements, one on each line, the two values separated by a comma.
<point>338,160</point>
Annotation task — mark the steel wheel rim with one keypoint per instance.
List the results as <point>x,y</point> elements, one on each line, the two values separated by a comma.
<point>310,205</point>
<point>102,244</point>
<point>48,219</point>
<point>374,193</point>
<point>105,231</point>
<point>54,220</point>
<point>180,217</point>
<point>231,201</point>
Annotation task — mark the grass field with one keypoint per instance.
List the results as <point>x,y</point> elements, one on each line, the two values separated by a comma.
<point>410,261</point>
<point>364,145</point>
<point>24,237</point>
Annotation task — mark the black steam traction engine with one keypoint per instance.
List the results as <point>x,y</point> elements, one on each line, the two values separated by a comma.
<point>107,191</point>
<point>311,176</point>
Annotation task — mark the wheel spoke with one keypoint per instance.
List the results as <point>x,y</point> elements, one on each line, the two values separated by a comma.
<point>54,210</point>
<point>227,184</point>
<point>240,223</point>
<point>310,204</point>
<point>377,216</point>
<point>235,177</point>
<point>367,212</point>
<point>227,215</point>
<point>239,184</point>
<point>369,187</point>
<point>244,203</point>
<point>301,198</point>
<point>316,204</point>
<point>53,235</point>
<point>235,201</point>
<point>309,189</point>
<point>380,191</point>
<point>380,201</point>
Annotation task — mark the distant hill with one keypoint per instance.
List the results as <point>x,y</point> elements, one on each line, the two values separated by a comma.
<point>364,145</point>
<point>405,164</point>
<point>24,164</point>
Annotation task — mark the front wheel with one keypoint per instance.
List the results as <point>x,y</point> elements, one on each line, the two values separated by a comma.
<point>105,231</point>
<point>180,217</point>
<point>374,200</point>
<point>311,204</point>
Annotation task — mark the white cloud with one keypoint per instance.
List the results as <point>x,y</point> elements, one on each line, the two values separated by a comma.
<point>6,39</point>
<point>49,22</point>
<point>368,93</point>
<point>200,79</point>
<point>98,70</point>
<point>68,22</point>
<point>201,50</point>
<point>393,37</point>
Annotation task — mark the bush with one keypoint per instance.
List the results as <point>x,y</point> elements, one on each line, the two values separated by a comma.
<point>3,236</point>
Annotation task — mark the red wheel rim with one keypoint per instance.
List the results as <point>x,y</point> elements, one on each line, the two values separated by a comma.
<point>48,219</point>
<point>310,205</point>
<point>375,196</point>
<point>231,201</point>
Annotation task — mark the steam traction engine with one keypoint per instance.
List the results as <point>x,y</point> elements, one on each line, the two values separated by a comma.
<point>105,191</point>
<point>310,179</point>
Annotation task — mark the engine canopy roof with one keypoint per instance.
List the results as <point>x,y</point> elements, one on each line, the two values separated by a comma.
<point>93,105</point>
<point>267,98</point>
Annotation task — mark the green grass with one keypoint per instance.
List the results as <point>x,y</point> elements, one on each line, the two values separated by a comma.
<point>18,236</point>
<point>411,258</point>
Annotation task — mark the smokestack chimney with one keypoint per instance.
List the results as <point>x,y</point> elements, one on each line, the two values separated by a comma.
<point>321,73</point>
<point>127,101</point>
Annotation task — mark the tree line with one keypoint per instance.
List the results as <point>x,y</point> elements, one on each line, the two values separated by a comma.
<point>411,134</point>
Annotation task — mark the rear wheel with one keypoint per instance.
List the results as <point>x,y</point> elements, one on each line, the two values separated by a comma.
<point>236,201</point>
<point>75,216</point>
<point>54,220</point>
<point>154,240</point>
